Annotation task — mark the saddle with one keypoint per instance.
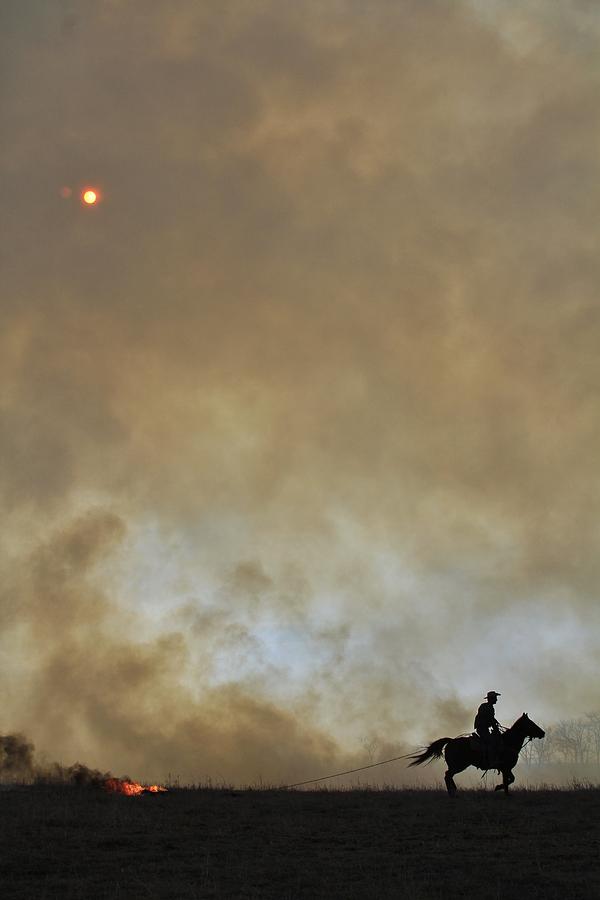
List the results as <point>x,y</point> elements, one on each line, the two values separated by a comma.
<point>488,754</point>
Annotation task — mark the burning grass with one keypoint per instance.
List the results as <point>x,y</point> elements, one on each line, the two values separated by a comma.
<point>80,843</point>
<point>18,764</point>
<point>131,788</point>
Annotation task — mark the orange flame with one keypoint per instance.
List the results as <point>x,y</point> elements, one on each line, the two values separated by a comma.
<point>131,788</point>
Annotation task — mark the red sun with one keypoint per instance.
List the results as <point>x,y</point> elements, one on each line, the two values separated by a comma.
<point>90,196</point>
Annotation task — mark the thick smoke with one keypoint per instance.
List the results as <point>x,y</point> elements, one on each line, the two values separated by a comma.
<point>298,429</point>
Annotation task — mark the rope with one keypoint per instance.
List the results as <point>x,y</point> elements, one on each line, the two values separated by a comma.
<point>348,772</point>
<point>285,787</point>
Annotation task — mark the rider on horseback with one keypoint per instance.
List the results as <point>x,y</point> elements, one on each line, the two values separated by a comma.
<point>488,728</point>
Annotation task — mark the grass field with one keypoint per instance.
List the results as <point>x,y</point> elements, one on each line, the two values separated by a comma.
<point>81,844</point>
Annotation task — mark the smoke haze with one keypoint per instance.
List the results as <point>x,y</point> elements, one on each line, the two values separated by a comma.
<point>299,430</point>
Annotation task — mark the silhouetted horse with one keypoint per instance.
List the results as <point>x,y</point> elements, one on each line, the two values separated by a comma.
<point>462,752</point>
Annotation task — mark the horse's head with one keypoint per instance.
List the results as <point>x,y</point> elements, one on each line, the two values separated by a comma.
<point>530,729</point>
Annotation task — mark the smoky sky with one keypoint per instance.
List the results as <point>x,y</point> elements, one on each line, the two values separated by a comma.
<point>299,424</point>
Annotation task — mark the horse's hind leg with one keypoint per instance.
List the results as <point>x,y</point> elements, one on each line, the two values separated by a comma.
<point>450,782</point>
<point>455,765</point>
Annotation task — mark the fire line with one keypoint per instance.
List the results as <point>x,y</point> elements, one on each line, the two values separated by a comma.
<point>131,788</point>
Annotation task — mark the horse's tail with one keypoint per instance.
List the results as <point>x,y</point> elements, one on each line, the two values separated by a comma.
<point>434,751</point>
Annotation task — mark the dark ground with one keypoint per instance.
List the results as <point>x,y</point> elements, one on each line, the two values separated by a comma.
<point>81,844</point>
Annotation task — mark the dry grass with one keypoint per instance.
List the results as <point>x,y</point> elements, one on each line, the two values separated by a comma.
<point>81,844</point>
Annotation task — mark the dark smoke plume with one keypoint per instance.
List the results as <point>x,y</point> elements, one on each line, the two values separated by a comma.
<point>16,757</point>
<point>17,764</point>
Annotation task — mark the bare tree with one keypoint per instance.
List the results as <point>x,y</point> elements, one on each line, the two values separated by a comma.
<point>370,745</point>
<point>564,742</point>
<point>544,750</point>
<point>594,735</point>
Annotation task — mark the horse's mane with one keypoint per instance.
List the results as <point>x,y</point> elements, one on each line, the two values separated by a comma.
<point>517,722</point>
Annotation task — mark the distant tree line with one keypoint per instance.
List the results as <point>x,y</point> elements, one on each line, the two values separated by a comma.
<point>574,741</point>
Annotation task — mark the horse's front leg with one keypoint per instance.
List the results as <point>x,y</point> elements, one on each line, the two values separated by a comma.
<point>507,779</point>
